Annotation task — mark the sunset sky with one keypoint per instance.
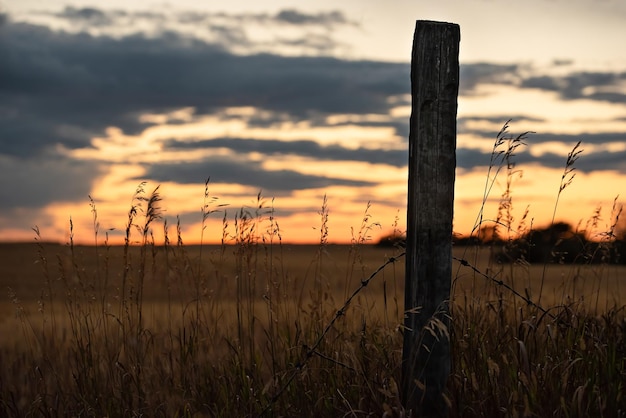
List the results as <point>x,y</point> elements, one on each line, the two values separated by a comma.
<point>295,100</point>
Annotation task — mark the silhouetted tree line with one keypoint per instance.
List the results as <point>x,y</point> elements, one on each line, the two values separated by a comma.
<point>557,243</point>
<point>561,243</point>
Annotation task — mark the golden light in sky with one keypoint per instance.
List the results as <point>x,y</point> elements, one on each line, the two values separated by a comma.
<point>294,105</point>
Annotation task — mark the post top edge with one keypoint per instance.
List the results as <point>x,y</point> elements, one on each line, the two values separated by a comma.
<point>434,22</point>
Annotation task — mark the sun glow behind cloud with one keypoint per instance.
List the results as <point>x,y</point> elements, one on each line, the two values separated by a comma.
<point>535,189</point>
<point>129,153</point>
<point>185,96</point>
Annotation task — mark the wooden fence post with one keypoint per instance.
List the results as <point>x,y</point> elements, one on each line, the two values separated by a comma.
<point>432,161</point>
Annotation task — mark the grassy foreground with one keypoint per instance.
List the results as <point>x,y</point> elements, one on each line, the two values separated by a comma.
<point>243,330</point>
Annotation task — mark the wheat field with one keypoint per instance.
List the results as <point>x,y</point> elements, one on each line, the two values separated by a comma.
<point>243,330</point>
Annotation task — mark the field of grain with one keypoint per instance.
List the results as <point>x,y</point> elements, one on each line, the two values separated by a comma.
<point>339,268</point>
<point>254,329</point>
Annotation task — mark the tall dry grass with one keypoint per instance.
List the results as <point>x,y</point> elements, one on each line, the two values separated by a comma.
<point>238,329</point>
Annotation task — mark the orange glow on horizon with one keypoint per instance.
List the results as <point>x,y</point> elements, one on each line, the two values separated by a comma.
<point>302,222</point>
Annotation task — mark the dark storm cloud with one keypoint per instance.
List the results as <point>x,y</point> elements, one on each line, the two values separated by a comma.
<point>585,137</point>
<point>470,158</point>
<point>247,173</point>
<point>54,83</point>
<point>50,80</point>
<point>35,182</point>
<point>543,82</point>
<point>597,138</point>
<point>63,89</point>
<point>472,75</point>
<point>599,86</point>
<point>467,158</point>
<point>302,148</point>
<point>588,161</point>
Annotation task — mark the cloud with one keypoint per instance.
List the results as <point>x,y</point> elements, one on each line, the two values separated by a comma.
<point>562,62</point>
<point>286,16</point>
<point>585,137</point>
<point>543,82</point>
<point>247,173</point>
<point>323,44</point>
<point>36,182</point>
<point>470,158</point>
<point>296,17</point>
<point>463,123</point>
<point>589,161</point>
<point>302,148</point>
<point>56,84</point>
<point>599,86</point>
<point>569,139</point>
<point>472,75</point>
<point>87,15</point>
<point>497,119</point>
<point>60,89</point>
<point>243,33</point>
